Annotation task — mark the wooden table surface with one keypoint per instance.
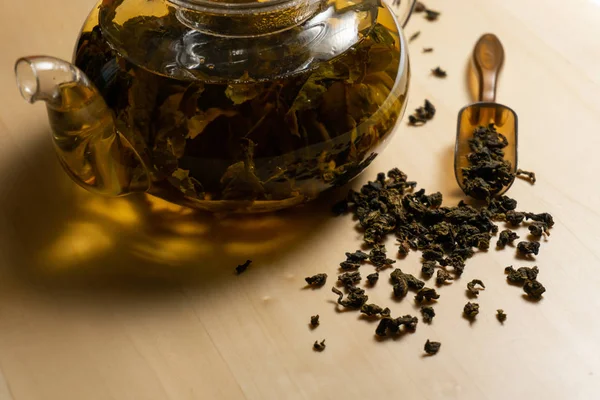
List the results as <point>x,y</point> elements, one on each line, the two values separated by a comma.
<point>134,299</point>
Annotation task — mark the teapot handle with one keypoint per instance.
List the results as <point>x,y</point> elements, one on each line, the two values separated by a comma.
<point>404,9</point>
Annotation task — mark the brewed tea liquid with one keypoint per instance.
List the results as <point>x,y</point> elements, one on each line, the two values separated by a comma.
<point>235,143</point>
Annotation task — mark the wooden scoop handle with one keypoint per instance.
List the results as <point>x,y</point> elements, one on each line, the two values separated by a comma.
<point>488,57</point>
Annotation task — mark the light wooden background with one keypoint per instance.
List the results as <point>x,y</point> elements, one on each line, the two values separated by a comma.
<point>134,299</point>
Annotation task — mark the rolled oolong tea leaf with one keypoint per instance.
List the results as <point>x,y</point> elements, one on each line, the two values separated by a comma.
<point>530,176</point>
<point>355,299</point>
<point>413,282</point>
<point>427,49</point>
<point>471,310</point>
<point>319,346</point>
<point>472,286</point>
<point>528,248</point>
<point>378,257</point>
<point>391,326</point>
<point>534,289</point>
<point>316,280</point>
<point>349,278</point>
<point>432,348</point>
<point>428,313</point>
<point>506,237</point>
<point>243,267</point>
<point>374,309</point>
<point>542,217</point>
<point>314,321</point>
<point>443,276</point>
<point>373,278</point>
<point>426,294</point>
<point>538,229</point>
<point>428,269</point>
<point>522,274</point>
<point>500,315</point>
<point>488,172</point>
<point>439,73</point>
<point>515,218</point>
<point>422,114</point>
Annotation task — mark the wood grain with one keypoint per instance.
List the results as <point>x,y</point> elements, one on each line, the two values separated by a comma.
<point>132,298</point>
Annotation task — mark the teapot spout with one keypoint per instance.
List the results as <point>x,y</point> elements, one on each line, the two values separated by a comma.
<point>89,146</point>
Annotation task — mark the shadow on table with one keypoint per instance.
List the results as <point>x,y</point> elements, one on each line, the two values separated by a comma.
<point>58,237</point>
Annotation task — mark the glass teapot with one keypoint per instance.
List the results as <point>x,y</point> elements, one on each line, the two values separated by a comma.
<point>237,106</point>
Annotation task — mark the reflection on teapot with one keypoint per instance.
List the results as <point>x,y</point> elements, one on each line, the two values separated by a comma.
<point>248,107</point>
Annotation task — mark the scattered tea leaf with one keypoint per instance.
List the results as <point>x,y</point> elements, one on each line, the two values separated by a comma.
<point>414,36</point>
<point>443,276</point>
<point>373,278</point>
<point>316,280</point>
<point>432,347</point>
<point>427,49</point>
<point>355,299</point>
<point>438,72</point>
<point>528,248</point>
<point>500,315</point>
<point>471,310</point>
<point>349,278</point>
<point>530,176</point>
<point>426,294</point>
<point>319,346</point>
<point>472,286</point>
<point>314,320</point>
<point>534,289</point>
<point>428,313</point>
<point>506,237</point>
<point>522,274</point>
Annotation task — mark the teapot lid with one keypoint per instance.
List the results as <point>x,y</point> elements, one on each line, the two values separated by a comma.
<point>233,40</point>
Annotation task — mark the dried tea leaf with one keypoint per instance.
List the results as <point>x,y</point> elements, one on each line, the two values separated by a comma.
<point>373,278</point>
<point>471,310</point>
<point>314,320</point>
<point>530,176</point>
<point>522,274</point>
<point>316,280</point>
<point>439,73</point>
<point>472,286</point>
<point>349,278</point>
<point>426,294</point>
<point>500,315</point>
<point>355,299</point>
<point>319,346</point>
<point>506,237</point>
<point>534,289</point>
<point>442,277</point>
<point>528,248</point>
<point>428,313</point>
<point>432,347</point>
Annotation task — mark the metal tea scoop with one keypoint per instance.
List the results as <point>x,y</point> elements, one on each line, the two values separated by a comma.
<point>488,57</point>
